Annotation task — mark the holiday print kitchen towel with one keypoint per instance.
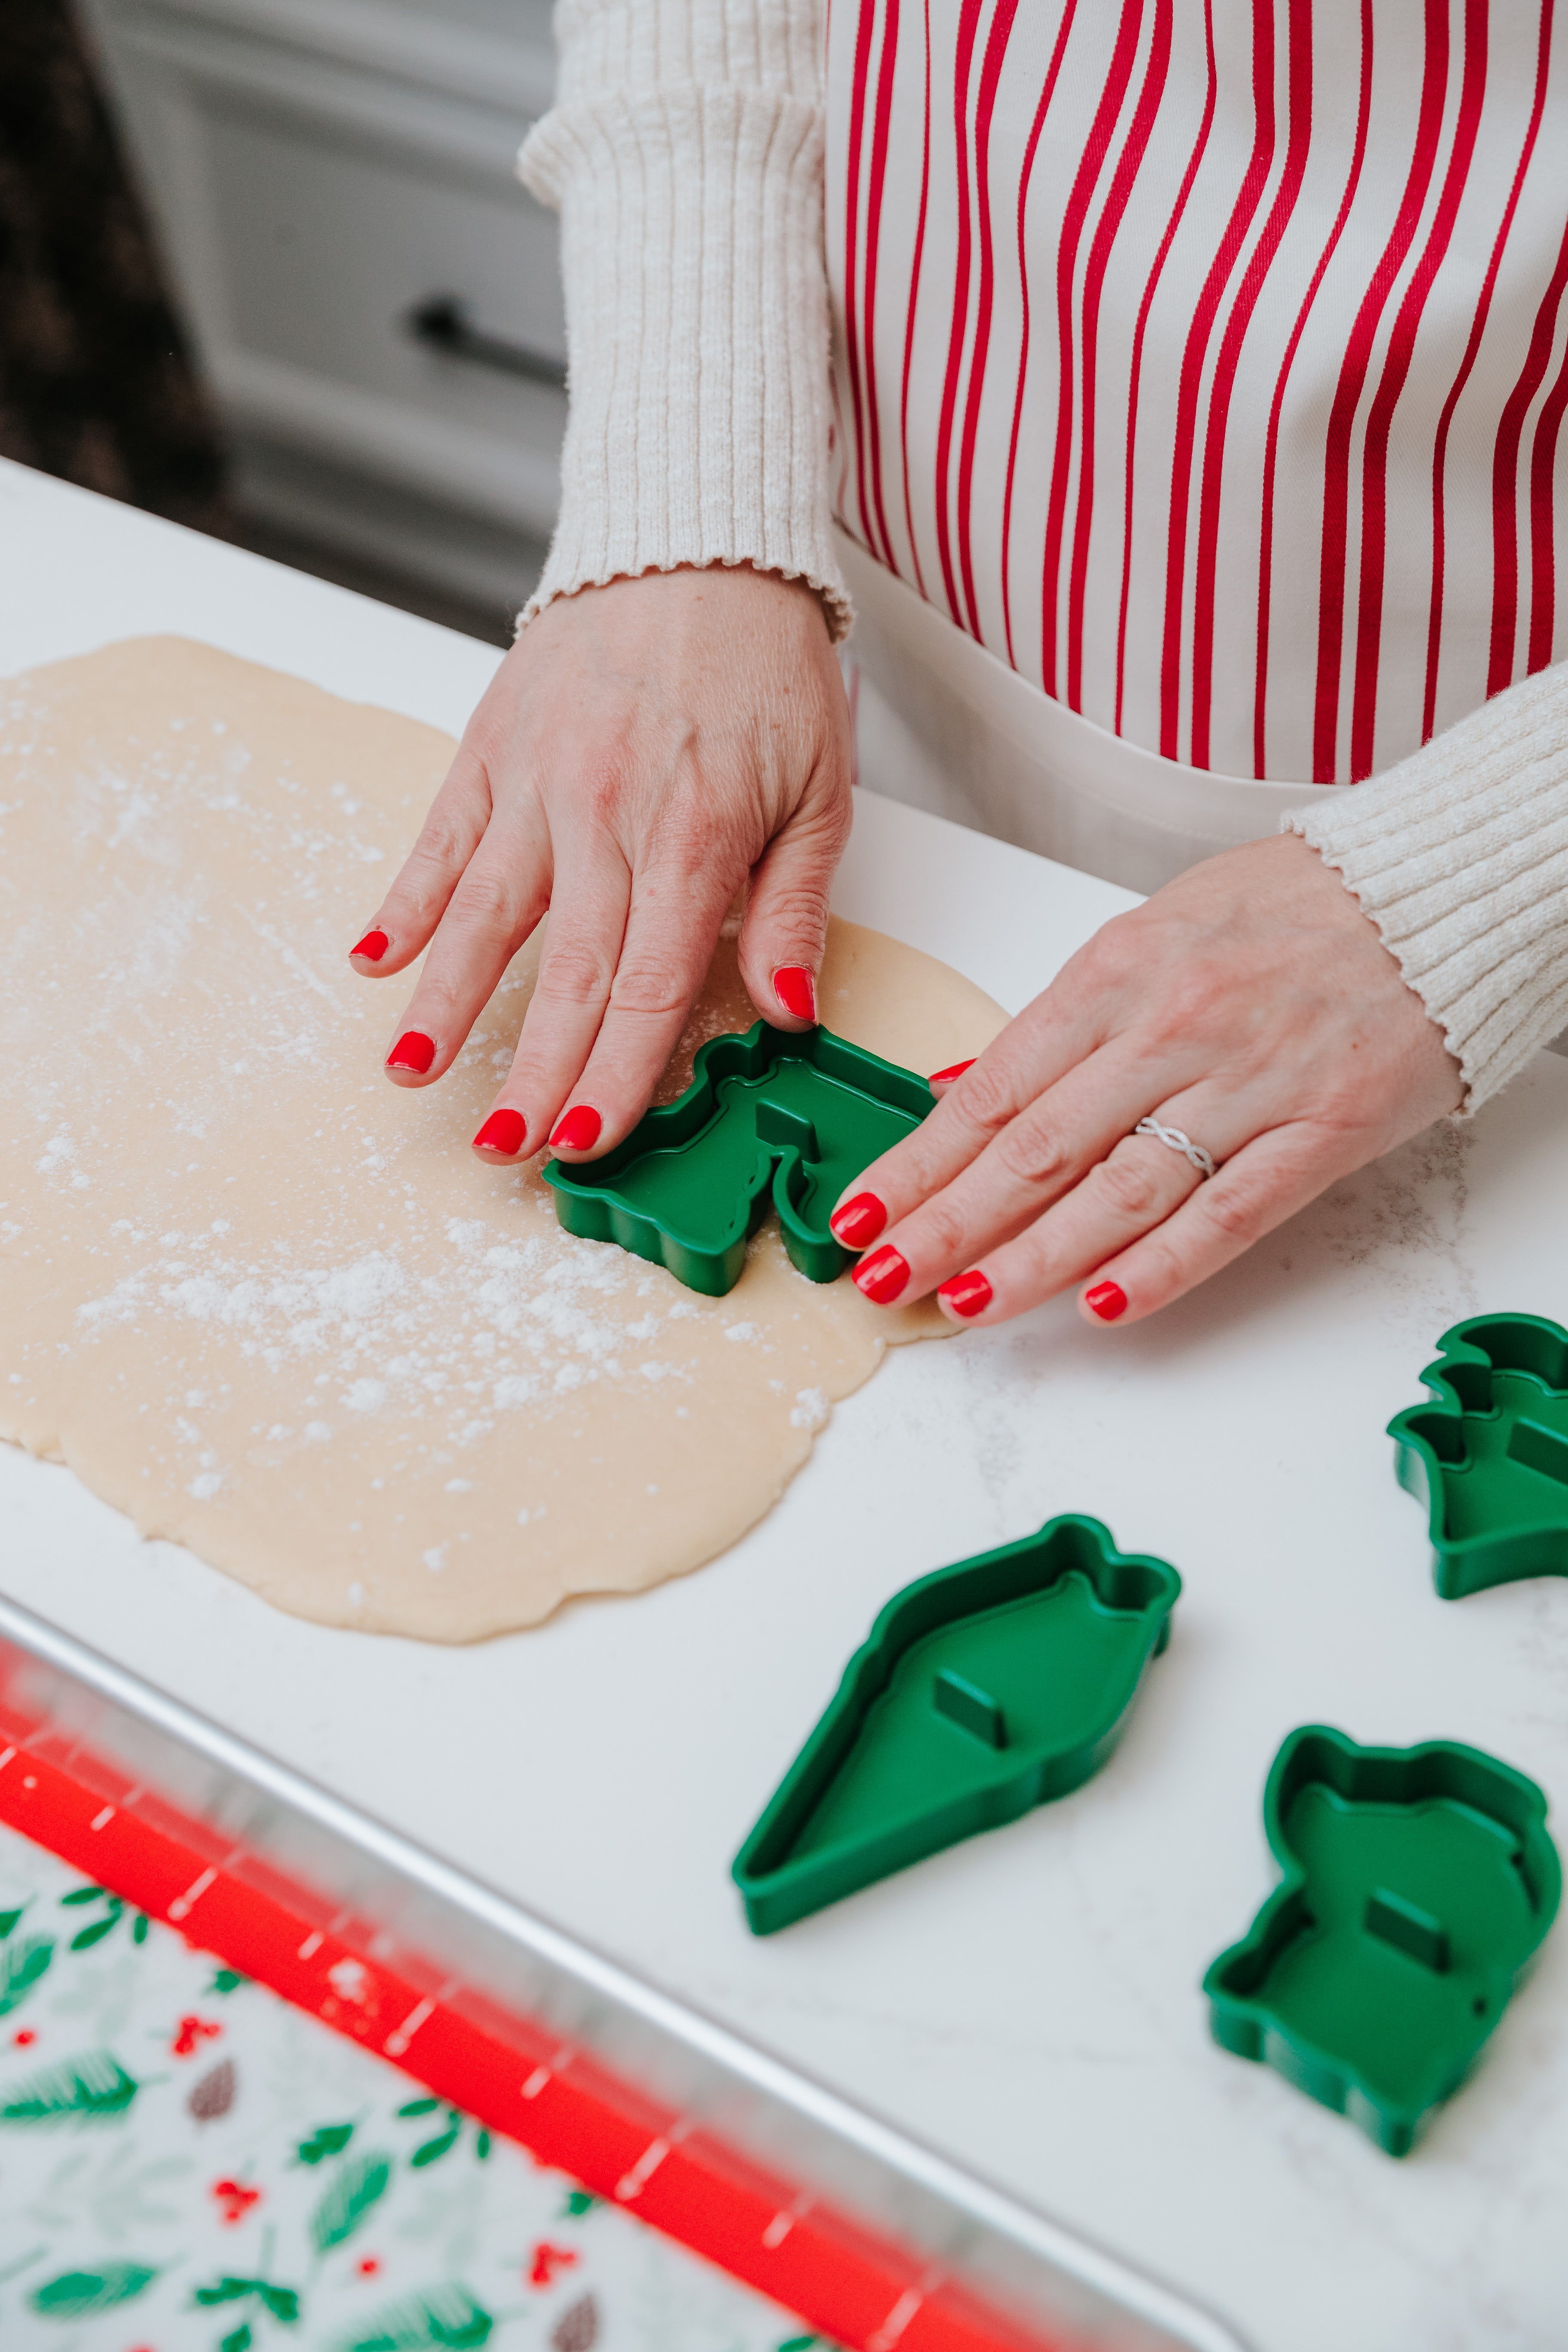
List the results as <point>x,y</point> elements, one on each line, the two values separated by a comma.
<point>187,2164</point>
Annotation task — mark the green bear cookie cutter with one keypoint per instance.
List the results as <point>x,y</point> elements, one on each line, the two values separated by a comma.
<point>982,1690</point>
<point>1418,1884</point>
<point>1489,1455</point>
<point>771,1119</point>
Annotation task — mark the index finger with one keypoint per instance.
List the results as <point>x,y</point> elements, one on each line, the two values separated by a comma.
<point>671,933</point>
<point>1048,1038</point>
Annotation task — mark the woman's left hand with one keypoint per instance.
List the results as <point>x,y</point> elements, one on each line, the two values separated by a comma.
<point>1249,1005</point>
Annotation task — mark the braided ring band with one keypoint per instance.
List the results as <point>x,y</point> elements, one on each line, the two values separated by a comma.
<point>1178,1142</point>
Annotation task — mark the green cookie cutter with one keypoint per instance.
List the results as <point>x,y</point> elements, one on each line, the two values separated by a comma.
<point>982,1690</point>
<point>1418,1883</point>
<point>770,1121</point>
<point>1489,1456</point>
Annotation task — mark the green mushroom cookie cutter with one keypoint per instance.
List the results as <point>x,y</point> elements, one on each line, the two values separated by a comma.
<point>771,1119</point>
<point>1418,1884</point>
<point>1489,1455</point>
<point>982,1690</point>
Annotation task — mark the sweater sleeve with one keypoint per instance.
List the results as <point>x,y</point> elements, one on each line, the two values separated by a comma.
<point>685,154</point>
<point>1459,856</point>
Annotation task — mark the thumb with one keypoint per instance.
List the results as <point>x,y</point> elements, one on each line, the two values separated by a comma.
<point>785,928</point>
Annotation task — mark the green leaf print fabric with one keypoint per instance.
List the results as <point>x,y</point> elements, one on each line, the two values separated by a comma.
<point>189,2164</point>
<point>78,2294</point>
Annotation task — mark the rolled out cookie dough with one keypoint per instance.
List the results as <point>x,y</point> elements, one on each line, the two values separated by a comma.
<point>272,1306</point>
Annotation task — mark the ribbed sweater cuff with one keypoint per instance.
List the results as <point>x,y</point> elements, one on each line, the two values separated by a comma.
<point>1459,856</point>
<point>697,325</point>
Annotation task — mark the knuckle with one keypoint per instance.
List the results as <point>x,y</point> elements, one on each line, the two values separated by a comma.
<point>1237,1210</point>
<point>492,733</point>
<point>484,901</point>
<point>603,787</point>
<point>686,839</point>
<point>424,885</point>
<point>799,908</point>
<point>446,837</point>
<point>832,827</point>
<point>943,1231</point>
<point>1114,951</point>
<point>574,974</point>
<point>984,1100</point>
<point>1033,1154</point>
<point>649,985</point>
<point>1128,1185</point>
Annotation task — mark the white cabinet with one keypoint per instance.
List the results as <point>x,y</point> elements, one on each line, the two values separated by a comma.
<point>325,172</point>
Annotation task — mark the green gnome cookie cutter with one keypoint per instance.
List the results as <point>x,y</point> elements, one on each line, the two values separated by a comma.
<point>982,1691</point>
<point>771,1119</point>
<point>1489,1455</point>
<point>1418,1884</point>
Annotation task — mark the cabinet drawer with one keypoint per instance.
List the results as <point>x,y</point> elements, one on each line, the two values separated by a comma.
<point>330,247</point>
<point>312,204</point>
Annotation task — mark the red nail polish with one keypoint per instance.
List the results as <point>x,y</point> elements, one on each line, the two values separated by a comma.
<point>796,992</point>
<point>882,1276</point>
<point>579,1130</point>
<point>859,1222</point>
<point>503,1131</point>
<point>413,1051</point>
<point>946,1077</point>
<point>372,947</point>
<point>967,1294</point>
<point>1106,1300</point>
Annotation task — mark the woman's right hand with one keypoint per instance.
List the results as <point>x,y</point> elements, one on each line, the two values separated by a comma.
<point>643,749</point>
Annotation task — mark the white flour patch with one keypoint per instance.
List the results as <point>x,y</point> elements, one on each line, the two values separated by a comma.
<point>59,1153</point>
<point>506,1321</point>
<point>272,1305</point>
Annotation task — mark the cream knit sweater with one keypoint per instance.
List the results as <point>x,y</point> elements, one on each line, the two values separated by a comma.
<point>685,154</point>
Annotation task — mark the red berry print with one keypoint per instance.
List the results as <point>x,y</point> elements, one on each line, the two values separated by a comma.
<point>369,2266</point>
<point>547,2261</point>
<point>25,2039</point>
<point>236,2199</point>
<point>193,2030</point>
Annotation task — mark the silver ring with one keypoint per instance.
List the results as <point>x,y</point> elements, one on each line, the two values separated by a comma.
<point>1178,1142</point>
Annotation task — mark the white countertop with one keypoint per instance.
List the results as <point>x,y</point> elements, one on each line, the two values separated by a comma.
<point>1028,2001</point>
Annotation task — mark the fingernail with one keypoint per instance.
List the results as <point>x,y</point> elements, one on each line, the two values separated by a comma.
<point>859,1222</point>
<point>503,1131</point>
<point>579,1130</point>
<point>413,1051</point>
<point>881,1276</point>
<point>946,1077</point>
<point>1106,1300</point>
<point>796,992</point>
<point>372,947</point>
<point>966,1294</point>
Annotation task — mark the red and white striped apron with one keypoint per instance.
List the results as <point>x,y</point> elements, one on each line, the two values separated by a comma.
<point>1208,363</point>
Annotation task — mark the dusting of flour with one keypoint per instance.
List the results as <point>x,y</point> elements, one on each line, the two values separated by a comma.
<point>274,1307</point>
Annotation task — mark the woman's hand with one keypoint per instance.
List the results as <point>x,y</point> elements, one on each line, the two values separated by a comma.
<point>643,749</point>
<point>1249,1004</point>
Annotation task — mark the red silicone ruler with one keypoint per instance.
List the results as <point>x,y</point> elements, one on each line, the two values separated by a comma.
<point>511,2073</point>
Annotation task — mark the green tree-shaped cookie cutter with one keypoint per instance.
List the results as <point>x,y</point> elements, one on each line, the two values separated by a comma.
<point>1418,1883</point>
<point>1489,1456</point>
<point>982,1690</point>
<point>771,1119</point>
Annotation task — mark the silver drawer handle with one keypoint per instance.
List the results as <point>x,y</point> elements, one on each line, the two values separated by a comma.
<point>442,321</point>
